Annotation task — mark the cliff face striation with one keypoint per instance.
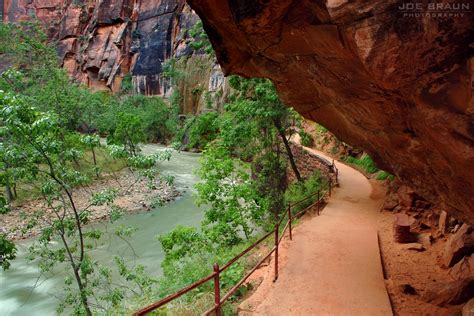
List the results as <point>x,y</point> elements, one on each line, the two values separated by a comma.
<point>101,41</point>
<point>393,80</point>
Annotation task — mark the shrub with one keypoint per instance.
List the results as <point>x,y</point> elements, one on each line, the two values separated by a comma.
<point>4,207</point>
<point>128,132</point>
<point>127,86</point>
<point>298,191</point>
<point>195,263</point>
<point>321,129</point>
<point>181,242</point>
<point>158,120</point>
<point>383,175</point>
<point>203,129</point>
<point>365,162</point>
<point>306,139</point>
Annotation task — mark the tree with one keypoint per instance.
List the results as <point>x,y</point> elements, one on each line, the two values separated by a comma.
<point>91,142</point>
<point>228,191</point>
<point>47,161</point>
<point>266,108</point>
<point>37,135</point>
<point>244,166</point>
<point>128,132</point>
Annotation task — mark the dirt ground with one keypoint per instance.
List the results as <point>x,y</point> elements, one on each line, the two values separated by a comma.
<point>332,266</point>
<point>415,268</point>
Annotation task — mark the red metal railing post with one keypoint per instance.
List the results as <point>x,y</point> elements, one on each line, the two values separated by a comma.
<point>318,202</point>
<point>217,290</point>
<point>289,221</point>
<point>276,251</point>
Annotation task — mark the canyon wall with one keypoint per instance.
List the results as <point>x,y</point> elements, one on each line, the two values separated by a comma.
<point>391,79</point>
<point>99,42</point>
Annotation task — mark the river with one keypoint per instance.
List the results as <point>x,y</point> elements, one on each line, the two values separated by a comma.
<point>21,293</point>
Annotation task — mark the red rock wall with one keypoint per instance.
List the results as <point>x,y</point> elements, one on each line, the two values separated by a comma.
<point>99,42</point>
<point>397,85</point>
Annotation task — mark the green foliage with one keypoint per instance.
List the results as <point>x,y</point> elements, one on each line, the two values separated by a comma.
<point>127,85</point>
<point>364,162</point>
<point>37,143</point>
<point>137,275</point>
<point>200,39</point>
<point>46,152</point>
<point>7,251</point>
<point>320,129</point>
<point>229,192</point>
<point>171,69</point>
<point>27,44</point>
<point>41,112</point>
<point>175,100</point>
<point>4,207</point>
<point>298,191</point>
<point>203,129</point>
<point>128,132</point>
<point>5,31</point>
<point>181,242</point>
<point>306,139</point>
<point>253,128</point>
<point>269,170</point>
<point>105,197</point>
<point>196,264</point>
<point>36,75</point>
<point>383,175</point>
<point>150,117</point>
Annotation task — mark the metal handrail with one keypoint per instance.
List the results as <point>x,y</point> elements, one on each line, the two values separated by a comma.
<point>217,270</point>
<point>240,255</point>
<point>174,296</point>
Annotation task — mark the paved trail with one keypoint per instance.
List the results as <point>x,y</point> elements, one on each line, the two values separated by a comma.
<point>332,266</point>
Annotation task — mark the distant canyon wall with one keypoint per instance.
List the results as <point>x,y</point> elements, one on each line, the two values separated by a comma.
<point>101,41</point>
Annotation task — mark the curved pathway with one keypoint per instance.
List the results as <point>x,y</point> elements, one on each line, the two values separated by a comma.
<point>332,266</point>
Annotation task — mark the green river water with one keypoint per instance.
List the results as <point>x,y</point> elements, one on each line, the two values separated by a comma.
<point>22,293</point>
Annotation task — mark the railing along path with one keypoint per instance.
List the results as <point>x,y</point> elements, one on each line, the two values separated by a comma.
<point>215,275</point>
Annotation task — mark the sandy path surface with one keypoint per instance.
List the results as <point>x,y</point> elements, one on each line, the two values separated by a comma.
<point>332,266</point>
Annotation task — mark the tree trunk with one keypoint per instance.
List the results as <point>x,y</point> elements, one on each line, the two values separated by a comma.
<point>15,194</point>
<point>95,163</point>
<point>8,193</point>
<point>288,150</point>
<point>75,269</point>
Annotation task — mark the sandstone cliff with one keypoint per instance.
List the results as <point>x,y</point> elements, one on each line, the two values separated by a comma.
<point>101,41</point>
<point>394,81</point>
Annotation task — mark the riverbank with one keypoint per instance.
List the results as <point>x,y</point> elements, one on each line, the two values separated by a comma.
<point>26,291</point>
<point>133,195</point>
